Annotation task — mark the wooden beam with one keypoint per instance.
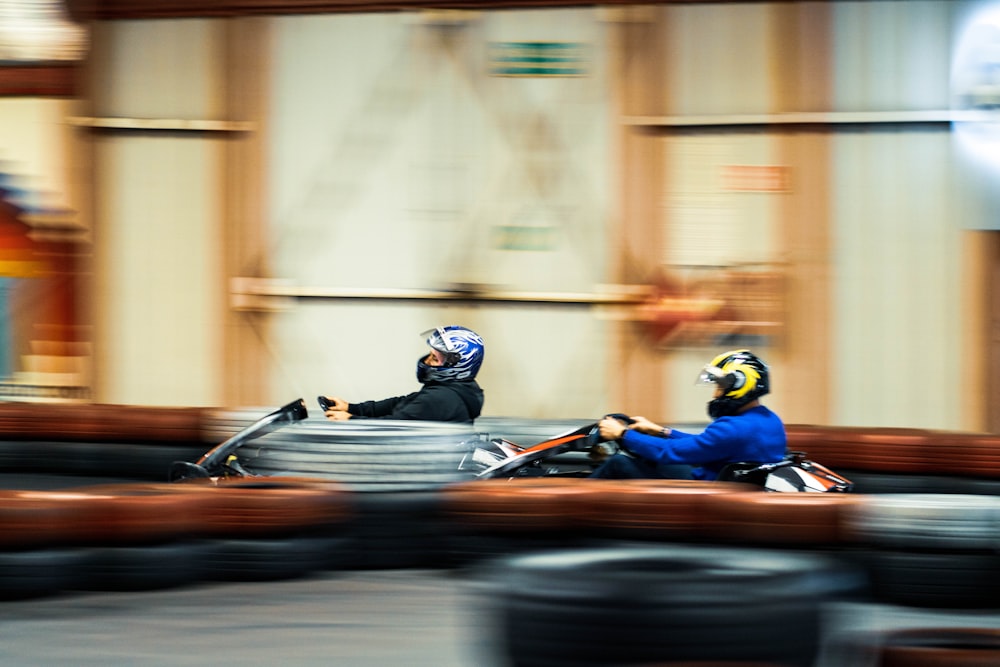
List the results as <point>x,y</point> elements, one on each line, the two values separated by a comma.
<point>84,10</point>
<point>160,124</point>
<point>39,80</point>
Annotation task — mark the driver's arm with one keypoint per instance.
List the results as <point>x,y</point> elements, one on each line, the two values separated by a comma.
<point>612,428</point>
<point>643,425</point>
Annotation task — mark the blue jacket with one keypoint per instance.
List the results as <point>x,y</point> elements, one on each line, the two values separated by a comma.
<point>755,435</point>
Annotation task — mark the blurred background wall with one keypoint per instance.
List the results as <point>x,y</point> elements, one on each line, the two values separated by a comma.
<point>276,205</point>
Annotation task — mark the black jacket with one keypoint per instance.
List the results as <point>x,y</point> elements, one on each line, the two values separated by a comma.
<point>436,401</point>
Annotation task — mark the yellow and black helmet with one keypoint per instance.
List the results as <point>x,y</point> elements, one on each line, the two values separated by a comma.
<point>743,376</point>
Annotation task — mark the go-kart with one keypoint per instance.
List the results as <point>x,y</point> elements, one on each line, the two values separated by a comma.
<point>475,455</point>
<point>222,461</point>
<point>498,457</point>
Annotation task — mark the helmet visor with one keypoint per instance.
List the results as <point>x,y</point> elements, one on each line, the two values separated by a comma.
<point>714,375</point>
<point>437,340</point>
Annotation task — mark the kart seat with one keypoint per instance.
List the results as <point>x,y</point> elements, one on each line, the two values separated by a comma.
<point>751,472</point>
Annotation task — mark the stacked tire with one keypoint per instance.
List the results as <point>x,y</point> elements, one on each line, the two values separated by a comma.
<point>146,536</point>
<point>661,605</point>
<point>930,550</point>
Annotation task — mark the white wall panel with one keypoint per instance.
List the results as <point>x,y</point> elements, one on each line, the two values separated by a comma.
<point>409,170</point>
<point>160,69</point>
<point>898,290</point>
<point>892,56</point>
<point>160,295</point>
<point>161,298</point>
<point>899,323</point>
<point>719,58</point>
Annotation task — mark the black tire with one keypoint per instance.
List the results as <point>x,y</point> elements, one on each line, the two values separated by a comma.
<point>647,605</point>
<point>145,462</point>
<point>139,568</point>
<point>269,559</point>
<point>925,521</point>
<point>37,573</point>
<point>393,530</point>
<point>935,580</point>
<point>868,482</point>
<point>888,483</point>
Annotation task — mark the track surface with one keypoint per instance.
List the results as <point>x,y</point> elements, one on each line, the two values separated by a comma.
<point>357,619</point>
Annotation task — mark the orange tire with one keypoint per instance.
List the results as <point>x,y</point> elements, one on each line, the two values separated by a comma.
<point>527,504</point>
<point>780,518</point>
<point>676,507</point>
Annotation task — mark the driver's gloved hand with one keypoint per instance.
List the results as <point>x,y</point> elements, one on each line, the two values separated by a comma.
<point>611,428</point>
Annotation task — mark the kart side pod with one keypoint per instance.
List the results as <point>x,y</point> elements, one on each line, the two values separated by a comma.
<point>794,473</point>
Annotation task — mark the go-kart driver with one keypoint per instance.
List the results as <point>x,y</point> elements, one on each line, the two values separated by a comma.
<point>449,393</point>
<point>742,429</point>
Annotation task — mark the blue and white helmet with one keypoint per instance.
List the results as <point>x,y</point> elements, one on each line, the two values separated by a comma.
<point>462,349</point>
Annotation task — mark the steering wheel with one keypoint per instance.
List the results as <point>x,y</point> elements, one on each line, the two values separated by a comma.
<point>602,449</point>
<point>621,417</point>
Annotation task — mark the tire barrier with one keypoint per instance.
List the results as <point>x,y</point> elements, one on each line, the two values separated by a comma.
<point>250,507</point>
<point>933,579</point>
<point>96,422</point>
<point>270,559</point>
<point>496,517</point>
<point>395,530</point>
<point>666,604</point>
<point>656,509</point>
<point>42,572</point>
<point>918,550</point>
<point>33,519</point>
<point>128,462</point>
<point>30,520</point>
<point>134,514</point>
<point>930,550</point>
<point>385,458</point>
<point>899,451</point>
<point>926,521</point>
<point>518,505</point>
<point>139,442</point>
<point>648,510</point>
<point>37,573</point>
<point>780,519</point>
<point>137,568</point>
<point>965,454</point>
<point>121,537</point>
<point>887,483</point>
